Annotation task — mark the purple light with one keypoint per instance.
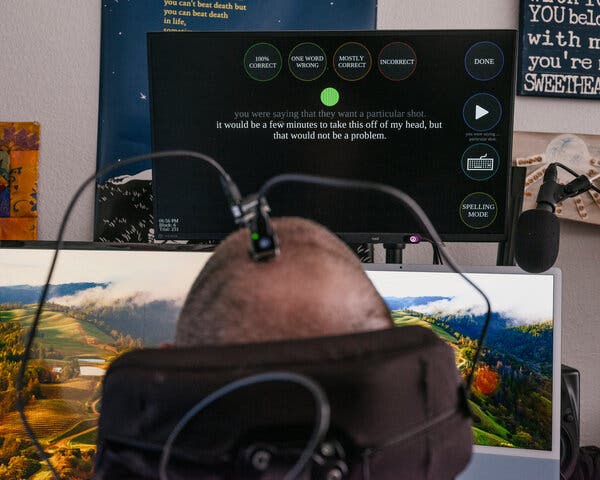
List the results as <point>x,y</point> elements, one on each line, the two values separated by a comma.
<point>414,238</point>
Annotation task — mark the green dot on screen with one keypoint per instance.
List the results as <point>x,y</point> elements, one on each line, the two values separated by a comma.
<point>330,96</point>
<point>255,236</point>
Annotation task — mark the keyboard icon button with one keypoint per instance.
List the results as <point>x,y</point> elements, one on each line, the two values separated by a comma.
<point>480,161</point>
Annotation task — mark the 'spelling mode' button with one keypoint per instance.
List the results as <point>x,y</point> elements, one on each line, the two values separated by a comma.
<point>478,210</point>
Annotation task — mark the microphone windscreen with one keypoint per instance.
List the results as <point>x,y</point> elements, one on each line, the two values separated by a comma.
<point>537,239</point>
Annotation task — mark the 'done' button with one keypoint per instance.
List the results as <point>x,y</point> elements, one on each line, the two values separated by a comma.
<point>484,61</point>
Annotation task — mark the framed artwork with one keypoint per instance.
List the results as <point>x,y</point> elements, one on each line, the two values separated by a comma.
<point>559,49</point>
<point>19,149</point>
<point>123,208</point>
<point>581,153</point>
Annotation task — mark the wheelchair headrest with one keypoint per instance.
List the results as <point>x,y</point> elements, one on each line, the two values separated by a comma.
<point>380,385</point>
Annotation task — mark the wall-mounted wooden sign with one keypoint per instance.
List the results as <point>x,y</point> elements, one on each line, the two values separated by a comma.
<point>560,48</point>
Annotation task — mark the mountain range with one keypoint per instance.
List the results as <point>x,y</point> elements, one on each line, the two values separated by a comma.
<point>402,303</point>
<point>31,294</point>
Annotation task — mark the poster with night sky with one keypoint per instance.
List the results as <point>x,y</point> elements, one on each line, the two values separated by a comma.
<point>124,198</point>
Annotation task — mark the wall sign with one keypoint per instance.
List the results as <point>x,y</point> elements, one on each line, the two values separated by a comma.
<point>124,200</point>
<point>560,48</point>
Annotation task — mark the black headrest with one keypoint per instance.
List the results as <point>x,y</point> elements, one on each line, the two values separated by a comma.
<point>380,385</point>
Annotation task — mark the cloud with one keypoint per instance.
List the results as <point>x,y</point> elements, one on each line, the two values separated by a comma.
<point>463,305</point>
<point>111,295</point>
<point>455,306</point>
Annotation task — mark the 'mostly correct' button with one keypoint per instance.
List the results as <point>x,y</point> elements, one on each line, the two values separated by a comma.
<point>352,61</point>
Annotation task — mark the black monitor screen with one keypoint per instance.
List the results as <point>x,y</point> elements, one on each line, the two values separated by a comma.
<point>428,112</point>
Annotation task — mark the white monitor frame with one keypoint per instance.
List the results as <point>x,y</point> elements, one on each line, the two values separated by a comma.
<point>556,351</point>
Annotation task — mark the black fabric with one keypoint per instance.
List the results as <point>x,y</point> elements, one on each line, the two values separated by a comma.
<point>379,384</point>
<point>588,464</point>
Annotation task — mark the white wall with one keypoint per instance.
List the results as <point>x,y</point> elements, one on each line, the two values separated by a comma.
<point>49,72</point>
<point>49,54</point>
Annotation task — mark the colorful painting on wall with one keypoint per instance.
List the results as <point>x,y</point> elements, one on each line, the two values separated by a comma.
<point>19,149</point>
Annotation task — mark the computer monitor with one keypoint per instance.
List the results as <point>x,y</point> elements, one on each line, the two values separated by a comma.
<point>103,301</point>
<point>516,394</point>
<point>429,112</point>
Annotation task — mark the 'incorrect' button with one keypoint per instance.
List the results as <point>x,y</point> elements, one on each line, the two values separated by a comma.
<point>397,61</point>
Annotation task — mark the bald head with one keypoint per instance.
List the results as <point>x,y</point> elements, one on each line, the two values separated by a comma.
<point>315,287</point>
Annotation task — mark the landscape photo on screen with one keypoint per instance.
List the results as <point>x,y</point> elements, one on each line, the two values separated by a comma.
<point>100,305</point>
<point>511,397</point>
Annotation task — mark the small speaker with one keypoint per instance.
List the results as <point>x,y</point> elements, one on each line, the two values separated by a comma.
<point>569,421</point>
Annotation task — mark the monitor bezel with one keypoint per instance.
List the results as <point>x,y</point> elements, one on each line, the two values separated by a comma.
<point>106,246</point>
<point>556,274</point>
<point>359,237</point>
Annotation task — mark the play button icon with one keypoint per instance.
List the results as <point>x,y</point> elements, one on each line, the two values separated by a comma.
<point>482,112</point>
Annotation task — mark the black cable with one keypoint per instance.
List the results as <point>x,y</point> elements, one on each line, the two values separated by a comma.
<point>437,259</point>
<point>419,429</point>
<point>322,415</point>
<point>417,212</point>
<point>233,195</point>
<point>564,167</point>
<point>366,464</point>
<point>575,174</point>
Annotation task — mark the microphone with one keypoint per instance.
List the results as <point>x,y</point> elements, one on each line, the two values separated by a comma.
<point>537,240</point>
<point>538,230</point>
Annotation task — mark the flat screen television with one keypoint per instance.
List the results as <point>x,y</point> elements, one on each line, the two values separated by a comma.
<point>429,112</point>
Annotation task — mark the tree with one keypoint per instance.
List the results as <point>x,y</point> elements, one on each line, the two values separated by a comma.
<point>19,468</point>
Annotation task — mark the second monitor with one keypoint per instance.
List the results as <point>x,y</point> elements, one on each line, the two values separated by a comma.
<point>428,112</point>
